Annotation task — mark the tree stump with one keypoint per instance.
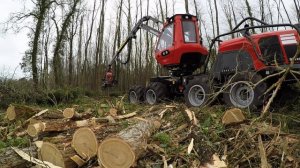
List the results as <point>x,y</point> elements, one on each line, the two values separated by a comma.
<point>123,149</point>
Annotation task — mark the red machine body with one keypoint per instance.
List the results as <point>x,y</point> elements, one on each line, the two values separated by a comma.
<point>264,46</point>
<point>179,46</point>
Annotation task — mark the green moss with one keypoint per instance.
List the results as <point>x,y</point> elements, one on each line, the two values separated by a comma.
<point>163,138</point>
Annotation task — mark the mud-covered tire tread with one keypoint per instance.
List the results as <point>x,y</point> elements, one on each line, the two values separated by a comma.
<point>139,90</point>
<point>201,82</point>
<point>160,90</point>
<point>258,90</point>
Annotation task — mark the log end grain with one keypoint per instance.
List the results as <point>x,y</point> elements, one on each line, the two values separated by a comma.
<point>11,113</point>
<point>233,116</point>
<point>49,152</point>
<point>69,113</point>
<point>34,129</point>
<point>85,143</point>
<point>115,153</point>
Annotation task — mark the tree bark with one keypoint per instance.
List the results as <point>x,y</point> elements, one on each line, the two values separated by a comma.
<point>10,159</point>
<point>62,125</point>
<point>43,7</point>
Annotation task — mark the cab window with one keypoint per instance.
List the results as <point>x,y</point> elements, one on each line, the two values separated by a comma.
<point>166,38</point>
<point>270,49</point>
<point>189,32</point>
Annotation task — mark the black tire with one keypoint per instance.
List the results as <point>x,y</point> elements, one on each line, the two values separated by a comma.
<point>136,94</point>
<point>156,92</point>
<point>242,94</point>
<point>197,93</point>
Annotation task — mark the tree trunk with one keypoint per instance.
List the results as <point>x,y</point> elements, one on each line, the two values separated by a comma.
<point>212,18</point>
<point>100,41</point>
<point>43,7</point>
<point>249,10</point>
<point>186,6</point>
<point>57,66</point>
<point>123,149</point>
<point>217,18</point>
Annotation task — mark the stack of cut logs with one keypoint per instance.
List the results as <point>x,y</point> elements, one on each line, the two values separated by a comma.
<point>71,139</point>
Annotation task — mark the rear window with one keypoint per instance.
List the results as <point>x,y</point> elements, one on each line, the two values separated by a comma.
<point>270,49</point>
<point>189,32</point>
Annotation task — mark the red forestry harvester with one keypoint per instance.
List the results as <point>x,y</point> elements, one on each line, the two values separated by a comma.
<point>236,71</point>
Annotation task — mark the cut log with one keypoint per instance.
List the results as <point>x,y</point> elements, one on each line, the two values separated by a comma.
<point>14,112</point>
<point>71,113</point>
<point>85,143</point>
<point>62,125</point>
<point>123,149</point>
<point>10,159</point>
<point>57,154</point>
<point>20,130</point>
<point>233,116</point>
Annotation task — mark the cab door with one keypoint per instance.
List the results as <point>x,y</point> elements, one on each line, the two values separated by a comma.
<point>165,45</point>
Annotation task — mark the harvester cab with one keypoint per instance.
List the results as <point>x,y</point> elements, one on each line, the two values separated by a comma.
<point>179,48</point>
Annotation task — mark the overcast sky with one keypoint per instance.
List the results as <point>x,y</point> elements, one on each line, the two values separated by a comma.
<point>12,46</point>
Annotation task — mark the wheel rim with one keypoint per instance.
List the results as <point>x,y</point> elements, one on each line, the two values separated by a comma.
<point>196,95</point>
<point>133,97</point>
<point>241,94</point>
<point>151,96</point>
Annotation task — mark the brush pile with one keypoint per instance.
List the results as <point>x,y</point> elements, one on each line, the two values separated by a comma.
<point>114,135</point>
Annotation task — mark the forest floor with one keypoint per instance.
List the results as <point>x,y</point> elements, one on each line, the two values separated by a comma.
<point>188,137</point>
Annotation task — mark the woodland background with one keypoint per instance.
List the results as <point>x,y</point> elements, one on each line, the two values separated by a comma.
<point>72,41</point>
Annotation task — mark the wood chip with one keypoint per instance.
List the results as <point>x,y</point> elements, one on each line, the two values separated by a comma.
<point>125,116</point>
<point>190,147</point>
<point>233,116</point>
<point>262,151</point>
<point>191,116</point>
<point>161,114</point>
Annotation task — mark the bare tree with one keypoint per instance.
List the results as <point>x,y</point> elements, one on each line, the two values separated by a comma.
<point>286,12</point>
<point>57,66</point>
<point>217,18</point>
<point>186,6</point>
